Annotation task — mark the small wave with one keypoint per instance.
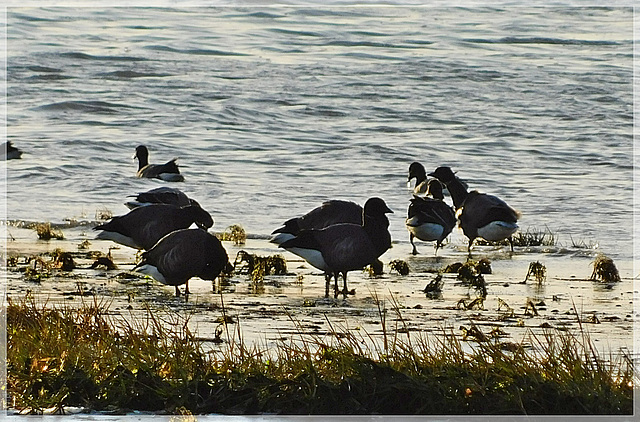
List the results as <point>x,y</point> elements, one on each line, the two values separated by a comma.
<point>373,44</point>
<point>84,56</point>
<point>264,15</point>
<point>539,40</point>
<point>44,69</point>
<point>49,77</point>
<point>295,33</point>
<point>68,223</point>
<point>130,74</point>
<point>195,51</point>
<point>84,106</point>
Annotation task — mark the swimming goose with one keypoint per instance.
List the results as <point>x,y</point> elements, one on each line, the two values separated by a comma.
<point>430,219</point>
<point>342,247</point>
<point>9,152</point>
<point>161,195</point>
<point>184,254</point>
<point>417,171</point>
<point>479,214</point>
<point>168,172</point>
<point>142,227</point>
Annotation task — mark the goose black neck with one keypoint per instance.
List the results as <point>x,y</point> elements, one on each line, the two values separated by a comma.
<point>377,230</point>
<point>458,191</point>
<point>142,154</point>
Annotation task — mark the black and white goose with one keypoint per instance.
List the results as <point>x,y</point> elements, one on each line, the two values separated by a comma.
<point>142,227</point>
<point>168,172</point>
<point>430,219</point>
<point>343,247</point>
<point>184,254</point>
<point>330,212</point>
<point>9,152</point>
<point>417,171</point>
<point>161,195</point>
<point>479,214</point>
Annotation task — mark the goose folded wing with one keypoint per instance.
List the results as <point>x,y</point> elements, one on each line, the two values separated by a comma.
<point>347,247</point>
<point>481,209</point>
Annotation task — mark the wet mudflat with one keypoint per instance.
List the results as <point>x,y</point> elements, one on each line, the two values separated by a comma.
<point>285,307</point>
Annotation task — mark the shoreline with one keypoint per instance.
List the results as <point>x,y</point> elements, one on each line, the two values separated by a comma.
<point>281,307</point>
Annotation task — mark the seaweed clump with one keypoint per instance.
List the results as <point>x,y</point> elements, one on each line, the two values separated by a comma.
<point>400,266</point>
<point>259,266</point>
<point>538,271</point>
<point>236,234</point>
<point>46,232</point>
<point>433,290</point>
<point>604,270</point>
<point>472,273</point>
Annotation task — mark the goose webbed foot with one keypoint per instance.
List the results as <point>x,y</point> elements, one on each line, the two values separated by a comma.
<point>186,291</point>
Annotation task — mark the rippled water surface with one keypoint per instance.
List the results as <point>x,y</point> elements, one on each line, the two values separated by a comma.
<point>273,110</point>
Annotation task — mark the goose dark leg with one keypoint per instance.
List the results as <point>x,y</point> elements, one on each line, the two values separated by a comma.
<point>327,283</point>
<point>415,251</point>
<point>345,291</point>
<point>511,242</point>
<point>335,286</point>
<point>177,292</point>
<point>469,248</point>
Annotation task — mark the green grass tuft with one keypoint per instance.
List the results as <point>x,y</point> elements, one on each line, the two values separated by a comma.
<point>59,357</point>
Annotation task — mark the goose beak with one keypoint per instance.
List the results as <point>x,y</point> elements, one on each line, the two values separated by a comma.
<point>388,210</point>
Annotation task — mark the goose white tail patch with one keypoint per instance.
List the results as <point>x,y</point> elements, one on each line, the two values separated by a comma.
<point>118,238</point>
<point>312,256</point>
<point>497,230</point>
<point>280,238</point>
<point>151,271</point>
<point>426,232</point>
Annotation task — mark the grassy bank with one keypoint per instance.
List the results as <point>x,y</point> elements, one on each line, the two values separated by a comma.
<point>59,357</point>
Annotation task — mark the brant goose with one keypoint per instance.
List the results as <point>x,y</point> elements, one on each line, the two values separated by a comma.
<point>168,172</point>
<point>161,195</point>
<point>417,171</point>
<point>330,212</point>
<point>142,227</point>
<point>430,219</point>
<point>183,254</point>
<point>9,152</point>
<point>342,247</point>
<point>479,214</point>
